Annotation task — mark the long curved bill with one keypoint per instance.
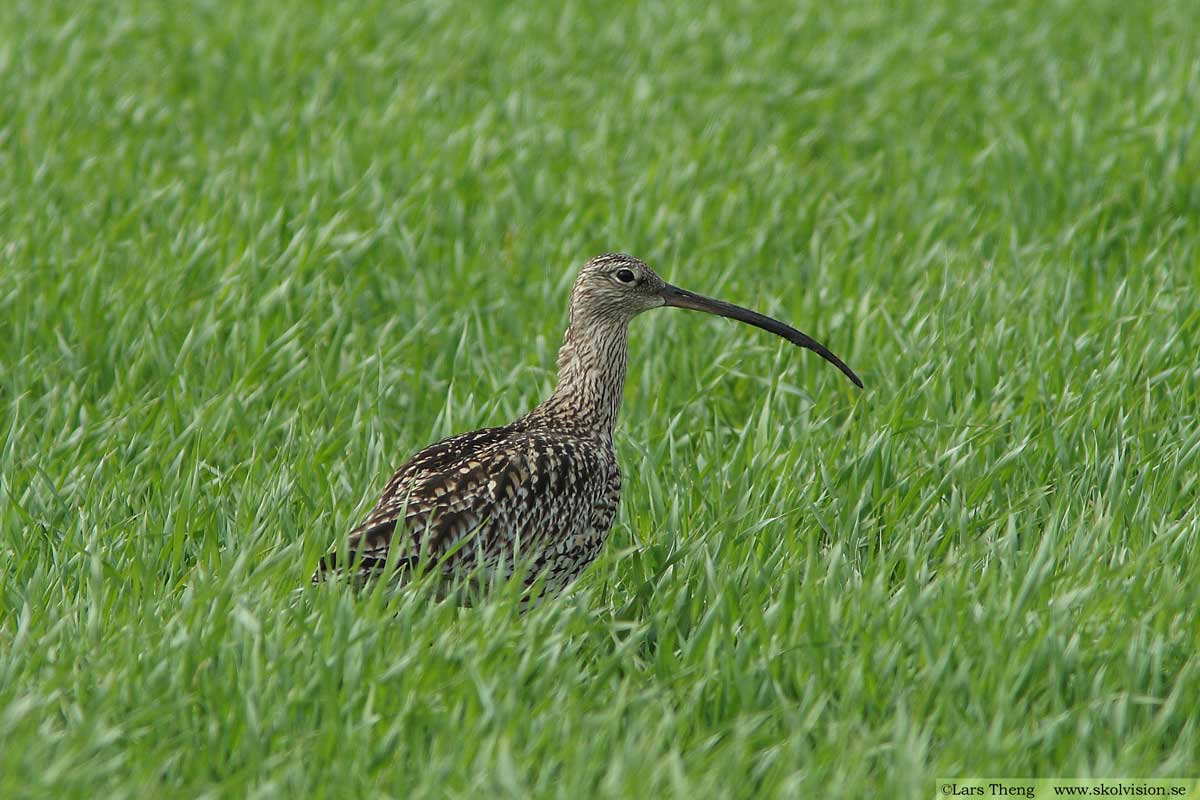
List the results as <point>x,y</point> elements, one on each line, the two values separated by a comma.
<point>682,298</point>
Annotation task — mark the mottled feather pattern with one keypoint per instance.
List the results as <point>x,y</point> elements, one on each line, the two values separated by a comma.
<point>555,491</point>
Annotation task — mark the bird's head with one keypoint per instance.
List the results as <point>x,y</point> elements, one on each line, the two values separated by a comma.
<point>614,288</point>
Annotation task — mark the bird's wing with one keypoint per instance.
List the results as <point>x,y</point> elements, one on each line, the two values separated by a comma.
<point>496,482</point>
<point>437,458</point>
<point>368,542</point>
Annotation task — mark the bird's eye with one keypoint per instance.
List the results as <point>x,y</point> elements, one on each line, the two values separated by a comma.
<point>625,275</point>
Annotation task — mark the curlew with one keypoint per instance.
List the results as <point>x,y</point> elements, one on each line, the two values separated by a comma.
<point>543,489</point>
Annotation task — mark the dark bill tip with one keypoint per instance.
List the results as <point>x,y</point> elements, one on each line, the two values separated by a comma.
<point>682,298</point>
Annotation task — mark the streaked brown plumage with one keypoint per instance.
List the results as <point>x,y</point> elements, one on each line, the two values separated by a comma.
<point>545,486</point>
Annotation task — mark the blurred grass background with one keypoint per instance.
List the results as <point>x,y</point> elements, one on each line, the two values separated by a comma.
<point>252,256</point>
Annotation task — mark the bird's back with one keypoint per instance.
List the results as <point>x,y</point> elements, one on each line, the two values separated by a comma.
<point>535,489</point>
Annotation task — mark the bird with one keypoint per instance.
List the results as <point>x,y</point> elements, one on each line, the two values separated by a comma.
<point>542,491</point>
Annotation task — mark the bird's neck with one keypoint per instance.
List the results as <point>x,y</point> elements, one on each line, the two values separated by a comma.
<point>591,375</point>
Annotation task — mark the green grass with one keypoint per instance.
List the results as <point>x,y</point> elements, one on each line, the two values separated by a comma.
<point>252,258</point>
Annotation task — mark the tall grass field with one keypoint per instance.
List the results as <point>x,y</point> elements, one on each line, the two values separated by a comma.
<point>254,255</point>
